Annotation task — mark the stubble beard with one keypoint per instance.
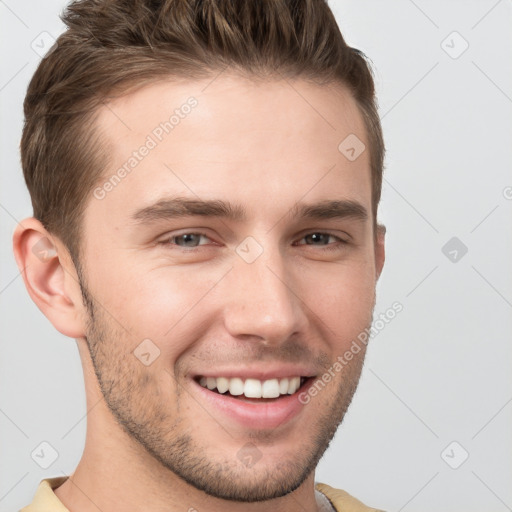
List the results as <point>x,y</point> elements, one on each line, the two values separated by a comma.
<point>132,398</point>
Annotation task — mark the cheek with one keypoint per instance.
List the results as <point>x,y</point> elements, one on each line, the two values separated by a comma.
<point>342,296</point>
<point>161,303</point>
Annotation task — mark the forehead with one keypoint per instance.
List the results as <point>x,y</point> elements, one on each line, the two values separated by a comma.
<point>229,136</point>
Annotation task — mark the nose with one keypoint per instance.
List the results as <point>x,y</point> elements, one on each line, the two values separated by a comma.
<point>263,302</point>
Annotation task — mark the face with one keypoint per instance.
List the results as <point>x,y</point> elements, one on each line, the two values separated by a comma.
<point>226,270</point>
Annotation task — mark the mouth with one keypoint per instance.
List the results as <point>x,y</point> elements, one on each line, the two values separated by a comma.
<point>261,400</point>
<point>254,390</point>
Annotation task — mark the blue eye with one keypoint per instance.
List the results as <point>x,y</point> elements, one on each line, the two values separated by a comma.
<point>188,239</point>
<point>192,240</point>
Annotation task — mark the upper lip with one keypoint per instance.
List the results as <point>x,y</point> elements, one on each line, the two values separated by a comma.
<point>277,372</point>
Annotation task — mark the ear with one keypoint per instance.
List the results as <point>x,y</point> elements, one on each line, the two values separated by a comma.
<point>380,250</point>
<point>50,277</point>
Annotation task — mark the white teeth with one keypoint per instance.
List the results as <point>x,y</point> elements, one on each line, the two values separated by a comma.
<point>222,384</point>
<point>293,385</point>
<point>252,388</point>
<point>236,386</point>
<point>270,389</point>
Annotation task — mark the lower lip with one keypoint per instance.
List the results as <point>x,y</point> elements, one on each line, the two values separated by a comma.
<point>255,415</point>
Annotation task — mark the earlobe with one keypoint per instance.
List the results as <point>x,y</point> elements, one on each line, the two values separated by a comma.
<point>49,276</point>
<point>380,249</point>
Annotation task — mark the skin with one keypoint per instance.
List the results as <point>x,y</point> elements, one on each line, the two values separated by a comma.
<point>152,443</point>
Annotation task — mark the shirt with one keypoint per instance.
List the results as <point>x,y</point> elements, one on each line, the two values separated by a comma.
<point>45,499</point>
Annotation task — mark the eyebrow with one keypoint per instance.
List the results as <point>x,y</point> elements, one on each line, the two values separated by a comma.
<point>166,209</point>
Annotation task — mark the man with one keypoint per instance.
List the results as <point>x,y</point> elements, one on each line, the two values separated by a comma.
<point>205,177</point>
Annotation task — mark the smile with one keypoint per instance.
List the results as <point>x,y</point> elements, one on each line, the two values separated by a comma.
<point>253,388</point>
<point>254,398</point>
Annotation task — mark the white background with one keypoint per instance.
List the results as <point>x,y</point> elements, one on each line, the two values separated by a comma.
<point>441,370</point>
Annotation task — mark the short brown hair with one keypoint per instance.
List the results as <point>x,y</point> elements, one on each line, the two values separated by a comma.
<point>111,46</point>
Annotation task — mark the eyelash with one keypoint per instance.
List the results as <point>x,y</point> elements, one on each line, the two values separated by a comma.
<point>328,247</point>
<point>339,242</point>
